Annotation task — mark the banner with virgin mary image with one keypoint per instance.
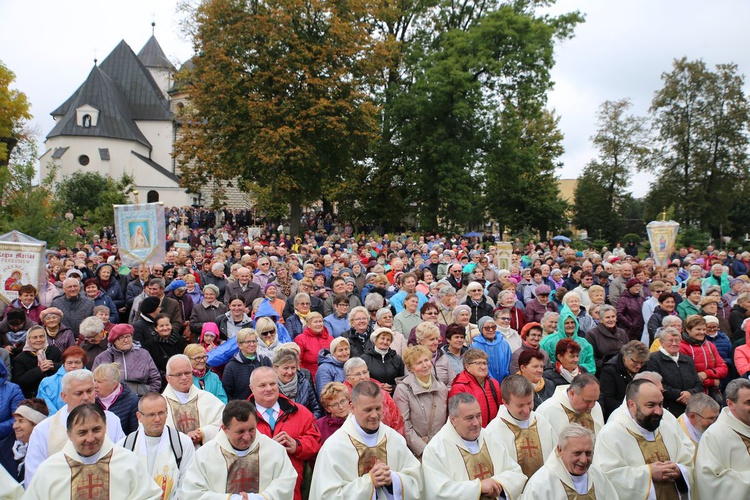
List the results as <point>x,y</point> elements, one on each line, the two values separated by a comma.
<point>662,235</point>
<point>141,233</point>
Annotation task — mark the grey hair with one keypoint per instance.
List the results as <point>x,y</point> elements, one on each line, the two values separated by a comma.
<point>732,392</point>
<point>110,371</point>
<point>548,315</point>
<point>216,266</point>
<point>76,376</point>
<point>635,349</point>
<point>606,308</point>
<point>671,321</point>
<point>357,310</point>
<point>572,431</point>
<point>299,297</point>
<point>174,358</point>
<point>91,327</point>
<point>654,377</point>
<point>446,290</point>
<point>582,381</point>
<point>457,400</point>
<point>667,332</point>
<point>382,312</point>
<point>743,297</point>
<point>374,301</point>
<point>699,402</point>
<point>353,364</point>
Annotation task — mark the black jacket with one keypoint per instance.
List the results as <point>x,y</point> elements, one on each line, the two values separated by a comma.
<point>614,379</point>
<point>654,322</point>
<point>26,372</point>
<point>8,461</point>
<point>125,407</point>
<point>676,377</point>
<point>236,377</point>
<point>357,344</point>
<point>480,310</point>
<point>385,369</point>
<point>736,316</point>
<point>553,378</point>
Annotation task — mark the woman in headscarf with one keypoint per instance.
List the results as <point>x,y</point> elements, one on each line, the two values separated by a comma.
<point>13,448</point>
<point>462,316</point>
<point>138,369</point>
<point>37,360</point>
<point>567,327</point>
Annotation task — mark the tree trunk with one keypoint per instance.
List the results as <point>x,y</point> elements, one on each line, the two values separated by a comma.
<point>295,214</point>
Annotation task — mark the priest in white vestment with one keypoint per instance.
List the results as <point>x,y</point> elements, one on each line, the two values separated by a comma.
<point>366,459</point>
<point>577,403</point>
<point>192,411</point>
<point>165,452</point>
<point>90,466</point>
<point>701,412</point>
<point>465,461</point>
<point>240,460</point>
<point>529,437</point>
<point>722,465</point>
<point>643,459</point>
<point>10,489</point>
<point>568,474</point>
<point>50,436</point>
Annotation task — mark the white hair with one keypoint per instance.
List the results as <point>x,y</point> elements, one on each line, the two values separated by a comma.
<point>174,358</point>
<point>76,376</point>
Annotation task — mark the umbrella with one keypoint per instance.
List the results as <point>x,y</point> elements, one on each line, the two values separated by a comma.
<point>560,237</point>
<point>473,234</point>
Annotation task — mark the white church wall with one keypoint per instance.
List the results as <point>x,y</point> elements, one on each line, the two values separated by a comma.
<point>159,134</point>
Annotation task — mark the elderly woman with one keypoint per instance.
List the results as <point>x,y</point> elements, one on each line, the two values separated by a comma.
<point>566,367</point>
<point>679,376</point>
<point>532,337</point>
<point>337,323</point>
<point>286,286</point>
<point>409,317</point>
<point>710,306</point>
<point>334,397</point>
<point>429,313</point>
<point>203,378</point>
<point>477,301</point>
<point>618,372</point>
<point>313,339</point>
<point>237,372</point>
<point>717,337</point>
<point>708,362</point>
<point>462,316</point>
<point>446,302</point>
<point>428,335</point>
<point>607,338</point>
<point>26,416</point>
<point>293,382</point>
<point>116,397</point>
<point>331,363</point>
<point>165,344</point>
<point>268,335</point>
<point>531,366</point>
<point>666,307</point>
<point>93,339</point>
<point>630,310</point>
<point>37,361</point>
<point>270,295</point>
<point>138,372</point>
<point>383,363</point>
<point>359,333</point>
<point>356,371</point>
<point>73,358</point>
<point>453,351</point>
<point>384,319</point>
<point>475,380</point>
<point>207,310</point>
<point>295,323</point>
<point>585,322</point>
<point>58,334</point>
<point>177,290</point>
<point>421,399</point>
<point>192,289</point>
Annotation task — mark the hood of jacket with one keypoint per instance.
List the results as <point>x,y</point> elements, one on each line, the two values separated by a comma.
<point>326,357</point>
<point>480,339</point>
<point>566,313</point>
<point>265,309</point>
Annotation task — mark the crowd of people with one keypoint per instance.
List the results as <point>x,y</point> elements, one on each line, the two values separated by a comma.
<point>333,365</point>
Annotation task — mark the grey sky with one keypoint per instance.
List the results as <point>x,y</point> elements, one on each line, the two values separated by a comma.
<point>620,51</point>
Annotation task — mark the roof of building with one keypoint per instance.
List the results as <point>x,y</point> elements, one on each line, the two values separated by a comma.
<point>115,119</point>
<point>151,163</point>
<point>152,56</point>
<point>139,90</point>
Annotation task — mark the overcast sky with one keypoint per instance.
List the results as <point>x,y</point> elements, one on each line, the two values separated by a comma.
<point>620,51</point>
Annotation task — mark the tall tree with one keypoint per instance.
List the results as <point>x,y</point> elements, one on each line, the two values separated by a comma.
<point>702,118</point>
<point>14,113</point>
<point>278,95</point>
<point>622,144</point>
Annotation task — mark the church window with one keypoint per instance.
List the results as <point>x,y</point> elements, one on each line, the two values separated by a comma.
<point>83,160</point>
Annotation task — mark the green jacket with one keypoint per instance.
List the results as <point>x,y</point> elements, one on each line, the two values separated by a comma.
<point>685,309</point>
<point>549,343</point>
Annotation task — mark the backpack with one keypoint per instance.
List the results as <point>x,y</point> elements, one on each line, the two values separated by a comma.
<point>174,438</point>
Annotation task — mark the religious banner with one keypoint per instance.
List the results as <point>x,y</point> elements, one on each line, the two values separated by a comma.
<point>504,253</point>
<point>141,234</point>
<point>662,235</point>
<point>21,263</point>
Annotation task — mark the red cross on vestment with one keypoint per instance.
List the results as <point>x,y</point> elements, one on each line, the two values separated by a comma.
<point>87,491</point>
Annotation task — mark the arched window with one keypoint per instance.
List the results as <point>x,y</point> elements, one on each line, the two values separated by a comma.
<point>152,196</point>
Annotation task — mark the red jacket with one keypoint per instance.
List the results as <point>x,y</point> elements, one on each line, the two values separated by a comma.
<point>489,396</point>
<point>310,345</point>
<point>706,359</point>
<point>299,423</point>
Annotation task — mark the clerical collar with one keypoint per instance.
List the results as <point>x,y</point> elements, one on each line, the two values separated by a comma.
<point>581,483</point>
<point>648,435</point>
<point>472,446</point>
<point>92,459</point>
<point>692,430</point>
<point>366,433</point>
<point>523,424</point>
<point>241,453</point>
<point>182,396</point>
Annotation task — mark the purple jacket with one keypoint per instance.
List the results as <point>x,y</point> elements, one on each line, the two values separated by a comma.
<point>534,310</point>
<point>630,314</point>
<point>328,425</point>
<point>136,365</point>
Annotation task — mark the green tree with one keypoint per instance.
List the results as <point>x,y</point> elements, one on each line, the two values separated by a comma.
<point>90,196</point>
<point>279,96</point>
<point>14,113</point>
<point>701,117</point>
<point>622,145</point>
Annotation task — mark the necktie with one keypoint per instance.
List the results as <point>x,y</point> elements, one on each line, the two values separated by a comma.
<point>271,419</point>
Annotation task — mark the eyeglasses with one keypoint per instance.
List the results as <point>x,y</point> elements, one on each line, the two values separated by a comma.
<point>455,271</point>
<point>160,414</point>
<point>199,358</point>
<point>339,404</point>
<point>709,419</point>
<point>671,341</point>
<point>478,363</point>
<point>489,328</point>
<point>181,374</point>
<point>303,303</point>
<point>246,342</point>
<point>364,374</point>
<point>269,333</point>
<point>504,318</point>
<point>431,313</point>
<point>637,363</point>
<point>158,271</point>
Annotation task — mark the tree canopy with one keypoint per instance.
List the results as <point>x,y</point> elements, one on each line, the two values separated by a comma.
<point>14,113</point>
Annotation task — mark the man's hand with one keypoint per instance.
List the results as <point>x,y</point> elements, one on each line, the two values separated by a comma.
<point>381,474</point>
<point>491,488</point>
<point>196,436</point>
<point>286,441</point>
<point>664,471</point>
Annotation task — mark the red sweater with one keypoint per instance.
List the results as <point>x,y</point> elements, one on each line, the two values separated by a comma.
<point>489,396</point>
<point>310,345</point>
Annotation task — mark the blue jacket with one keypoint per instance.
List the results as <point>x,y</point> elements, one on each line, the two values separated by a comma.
<point>498,355</point>
<point>114,290</point>
<point>724,346</point>
<point>222,354</point>
<point>105,300</point>
<point>330,369</point>
<point>306,395</point>
<point>212,383</point>
<point>397,301</point>
<point>10,396</point>
<point>236,377</point>
<point>49,391</point>
<point>294,325</point>
<point>336,326</point>
<point>125,407</point>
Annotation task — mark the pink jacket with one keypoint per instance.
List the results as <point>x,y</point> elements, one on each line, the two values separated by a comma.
<point>310,345</point>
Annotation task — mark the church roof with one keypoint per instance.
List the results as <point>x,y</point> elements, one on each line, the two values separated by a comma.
<point>151,163</point>
<point>152,56</point>
<point>137,87</point>
<point>115,119</point>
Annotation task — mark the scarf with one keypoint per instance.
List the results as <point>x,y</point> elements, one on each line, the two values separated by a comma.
<point>567,375</point>
<point>673,358</point>
<point>19,450</point>
<point>108,401</point>
<point>290,388</point>
<point>52,335</point>
<point>200,373</point>
<point>381,352</point>
<point>302,317</point>
<point>172,339</point>
<point>16,337</point>
<point>285,285</point>
<point>687,338</point>
<point>104,284</point>
<point>425,385</point>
